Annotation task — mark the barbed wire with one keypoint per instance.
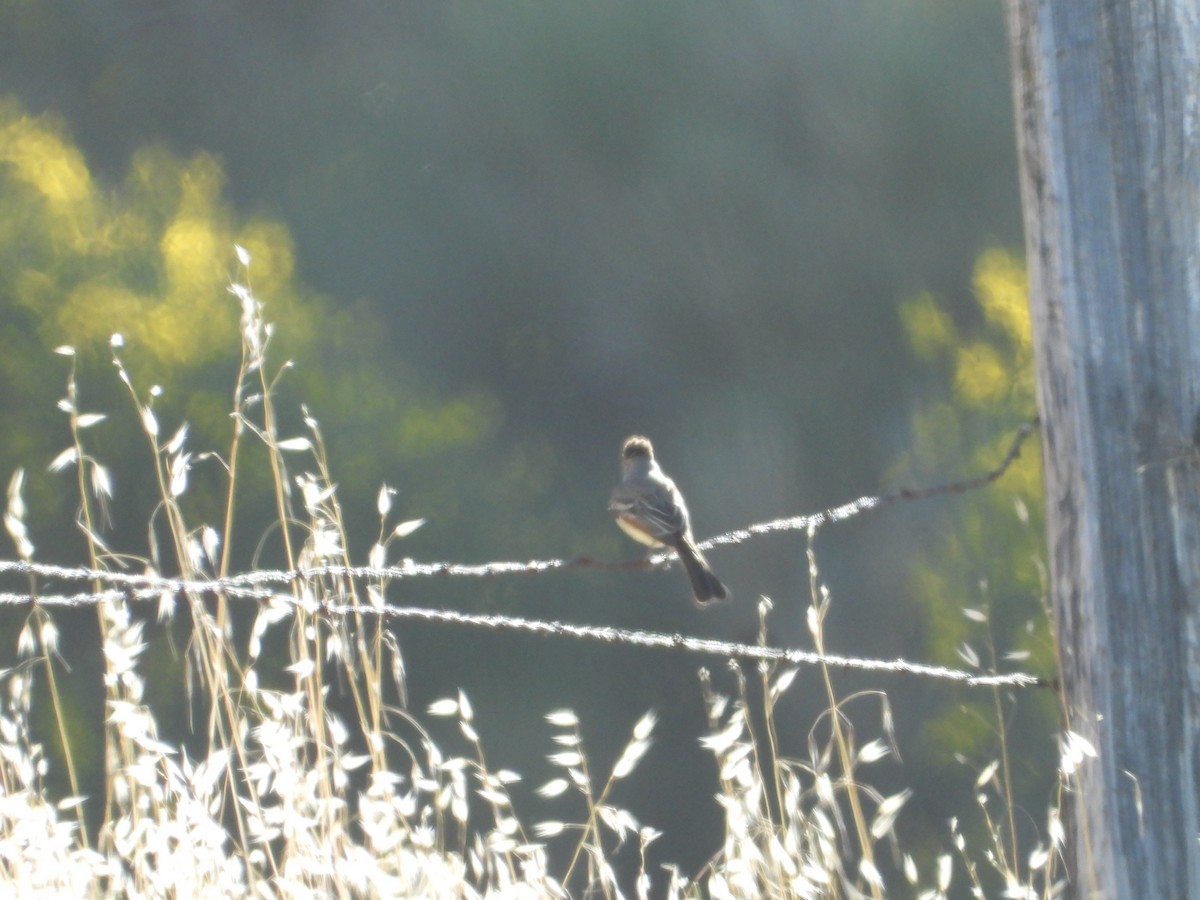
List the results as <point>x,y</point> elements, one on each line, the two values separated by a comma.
<point>257,586</point>
<point>235,584</point>
<point>602,633</point>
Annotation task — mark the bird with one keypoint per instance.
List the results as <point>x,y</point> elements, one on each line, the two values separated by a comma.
<point>650,509</point>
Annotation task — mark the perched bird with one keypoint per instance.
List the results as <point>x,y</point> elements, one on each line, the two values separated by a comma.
<point>650,509</point>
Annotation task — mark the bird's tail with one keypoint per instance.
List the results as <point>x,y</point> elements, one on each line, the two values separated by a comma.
<point>706,587</point>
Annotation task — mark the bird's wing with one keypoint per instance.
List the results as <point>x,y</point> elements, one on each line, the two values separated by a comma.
<point>657,505</point>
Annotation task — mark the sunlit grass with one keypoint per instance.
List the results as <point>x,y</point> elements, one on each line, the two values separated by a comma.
<point>291,799</point>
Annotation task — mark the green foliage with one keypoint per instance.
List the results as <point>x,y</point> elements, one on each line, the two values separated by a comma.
<point>982,584</point>
<point>150,259</point>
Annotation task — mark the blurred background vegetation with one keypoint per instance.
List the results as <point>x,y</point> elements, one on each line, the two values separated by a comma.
<point>780,238</point>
